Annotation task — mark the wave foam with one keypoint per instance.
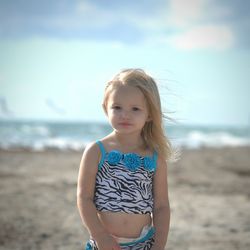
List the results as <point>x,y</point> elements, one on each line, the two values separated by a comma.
<point>197,139</point>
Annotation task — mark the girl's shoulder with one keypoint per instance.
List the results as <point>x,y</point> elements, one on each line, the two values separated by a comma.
<point>106,143</point>
<point>97,147</point>
<point>91,150</point>
<point>91,157</point>
<point>91,147</point>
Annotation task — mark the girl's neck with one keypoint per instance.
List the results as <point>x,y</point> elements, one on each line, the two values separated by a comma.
<point>129,141</point>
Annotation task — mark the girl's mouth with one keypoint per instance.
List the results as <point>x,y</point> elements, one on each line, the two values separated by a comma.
<point>125,124</point>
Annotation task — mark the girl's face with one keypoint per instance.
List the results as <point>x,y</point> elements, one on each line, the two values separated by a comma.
<point>127,109</point>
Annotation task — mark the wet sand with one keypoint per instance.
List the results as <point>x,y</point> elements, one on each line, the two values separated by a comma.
<point>209,195</point>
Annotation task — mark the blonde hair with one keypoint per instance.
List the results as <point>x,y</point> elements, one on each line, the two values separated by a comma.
<point>153,132</point>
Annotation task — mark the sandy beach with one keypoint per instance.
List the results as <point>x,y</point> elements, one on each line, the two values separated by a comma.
<point>209,194</point>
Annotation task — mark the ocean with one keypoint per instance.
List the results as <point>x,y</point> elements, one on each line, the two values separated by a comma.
<point>73,136</point>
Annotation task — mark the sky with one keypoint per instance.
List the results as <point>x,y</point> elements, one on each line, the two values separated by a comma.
<point>56,56</point>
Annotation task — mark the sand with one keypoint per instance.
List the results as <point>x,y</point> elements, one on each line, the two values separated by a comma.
<point>209,195</point>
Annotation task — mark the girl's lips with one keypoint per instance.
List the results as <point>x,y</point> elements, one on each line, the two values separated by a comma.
<point>125,124</point>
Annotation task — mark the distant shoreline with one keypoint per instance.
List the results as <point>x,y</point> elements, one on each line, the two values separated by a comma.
<point>73,136</point>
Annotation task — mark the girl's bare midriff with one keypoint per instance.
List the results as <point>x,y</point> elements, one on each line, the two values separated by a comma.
<point>124,225</point>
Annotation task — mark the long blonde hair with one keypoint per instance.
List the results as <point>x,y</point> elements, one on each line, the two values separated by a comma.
<point>153,132</point>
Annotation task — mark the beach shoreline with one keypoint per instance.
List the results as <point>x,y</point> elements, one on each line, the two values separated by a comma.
<point>209,191</point>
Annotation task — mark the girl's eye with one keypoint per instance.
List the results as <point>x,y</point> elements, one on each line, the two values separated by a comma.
<point>116,107</point>
<point>135,109</point>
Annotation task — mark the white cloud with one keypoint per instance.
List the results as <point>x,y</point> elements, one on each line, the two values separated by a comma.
<point>203,37</point>
<point>183,13</point>
<point>84,7</point>
<point>190,25</point>
<point>93,15</point>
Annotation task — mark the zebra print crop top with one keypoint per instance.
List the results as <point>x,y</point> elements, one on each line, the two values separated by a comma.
<point>124,182</point>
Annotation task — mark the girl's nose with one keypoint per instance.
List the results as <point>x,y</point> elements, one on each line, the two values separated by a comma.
<point>125,114</point>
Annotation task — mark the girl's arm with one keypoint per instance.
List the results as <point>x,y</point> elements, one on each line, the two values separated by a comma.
<point>161,212</point>
<point>85,197</point>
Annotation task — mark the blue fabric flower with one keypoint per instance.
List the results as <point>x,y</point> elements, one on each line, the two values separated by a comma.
<point>88,246</point>
<point>114,157</point>
<point>132,161</point>
<point>149,164</point>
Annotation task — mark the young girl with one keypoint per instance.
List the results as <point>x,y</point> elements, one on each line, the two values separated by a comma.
<point>122,192</point>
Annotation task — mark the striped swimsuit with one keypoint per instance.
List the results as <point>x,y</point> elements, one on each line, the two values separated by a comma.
<point>124,183</point>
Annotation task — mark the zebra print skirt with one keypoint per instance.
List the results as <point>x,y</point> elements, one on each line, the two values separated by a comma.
<point>144,242</point>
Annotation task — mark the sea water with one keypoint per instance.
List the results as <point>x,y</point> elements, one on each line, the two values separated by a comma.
<point>41,135</point>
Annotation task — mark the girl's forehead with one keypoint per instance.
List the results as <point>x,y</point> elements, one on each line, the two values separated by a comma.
<point>126,92</point>
<point>119,89</point>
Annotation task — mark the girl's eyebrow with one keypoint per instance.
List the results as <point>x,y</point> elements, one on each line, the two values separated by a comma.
<point>136,105</point>
<point>131,105</point>
<point>115,103</point>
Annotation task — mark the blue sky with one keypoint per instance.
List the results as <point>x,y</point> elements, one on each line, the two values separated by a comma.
<point>55,57</point>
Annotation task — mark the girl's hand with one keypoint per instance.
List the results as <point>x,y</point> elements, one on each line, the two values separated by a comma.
<point>107,242</point>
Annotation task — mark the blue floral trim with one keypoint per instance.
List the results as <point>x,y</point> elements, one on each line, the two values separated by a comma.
<point>131,160</point>
<point>149,164</point>
<point>114,157</point>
